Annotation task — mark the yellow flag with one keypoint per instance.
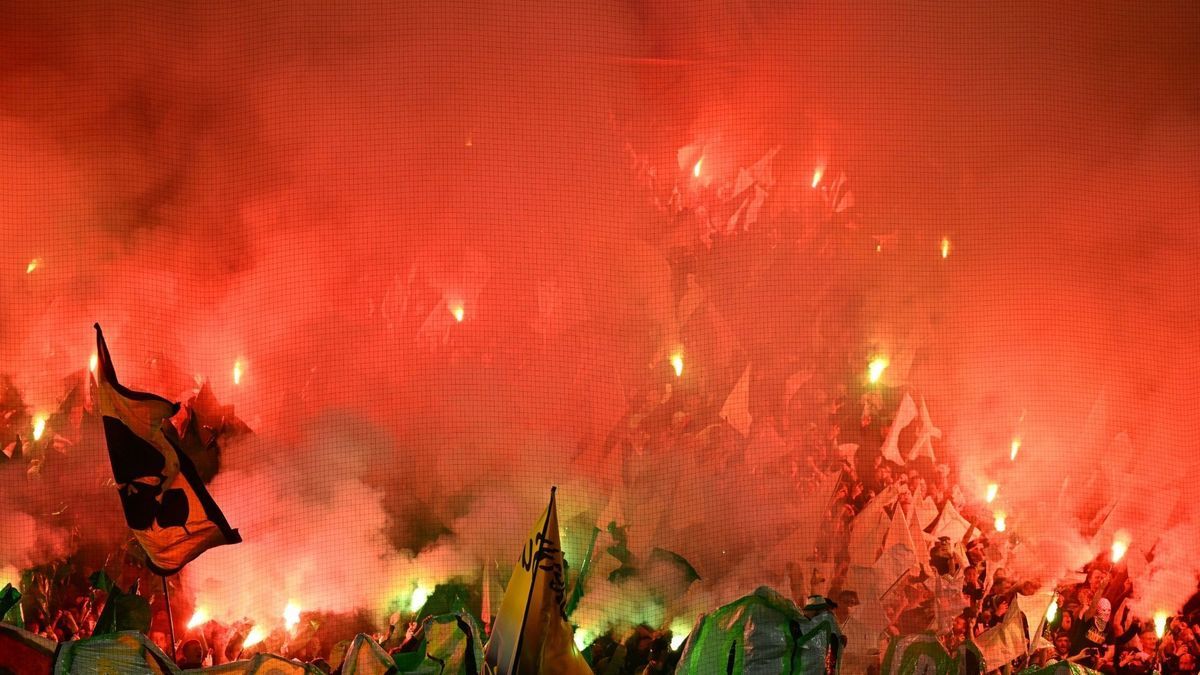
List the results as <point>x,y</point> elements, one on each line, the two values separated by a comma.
<point>166,504</point>
<point>531,634</point>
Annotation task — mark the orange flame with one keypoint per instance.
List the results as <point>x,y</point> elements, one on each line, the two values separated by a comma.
<point>93,362</point>
<point>1120,545</point>
<point>1016,446</point>
<point>198,619</point>
<point>238,371</point>
<point>696,169</point>
<point>291,615</point>
<point>255,636</point>
<point>39,427</point>
<point>820,171</point>
<point>33,265</point>
<point>677,363</point>
<point>992,489</point>
<point>945,247</point>
<point>1001,521</point>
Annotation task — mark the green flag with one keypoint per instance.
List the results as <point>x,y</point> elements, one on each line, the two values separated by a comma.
<point>10,606</point>
<point>123,611</point>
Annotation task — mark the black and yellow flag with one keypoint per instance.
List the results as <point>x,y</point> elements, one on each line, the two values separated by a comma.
<point>165,502</point>
<point>531,634</point>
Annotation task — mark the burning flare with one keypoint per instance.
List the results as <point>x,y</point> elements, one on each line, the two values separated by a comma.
<point>238,371</point>
<point>679,633</point>
<point>458,312</point>
<point>1052,611</point>
<point>291,615</point>
<point>1120,546</point>
<point>255,636</point>
<point>581,640</point>
<point>1000,523</point>
<point>677,363</point>
<point>1160,624</point>
<point>39,427</point>
<point>696,169</point>
<point>93,362</point>
<point>1016,445</point>
<point>875,369</point>
<point>198,619</point>
<point>820,171</point>
<point>420,596</point>
<point>945,247</point>
<point>992,489</point>
<point>33,265</point>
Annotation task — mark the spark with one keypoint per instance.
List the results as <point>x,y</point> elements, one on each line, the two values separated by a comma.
<point>238,371</point>
<point>93,362</point>
<point>33,265</point>
<point>677,363</point>
<point>696,168</point>
<point>1052,611</point>
<point>992,489</point>
<point>1016,446</point>
<point>198,619</point>
<point>39,427</point>
<point>820,171</point>
<point>255,636</point>
<point>945,247</point>
<point>420,596</point>
<point>1160,624</point>
<point>875,369</point>
<point>1000,523</point>
<point>291,615</point>
<point>1120,546</point>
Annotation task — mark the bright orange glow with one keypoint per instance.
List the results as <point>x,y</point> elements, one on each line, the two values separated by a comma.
<point>93,362</point>
<point>945,247</point>
<point>238,371</point>
<point>820,171</point>
<point>420,596</point>
<point>1001,521</point>
<point>1160,624</point>
<point>1016,446</point>
<point>1052,611</point>
<point>39,427</point>
<point>33,265</point>
<point>677,363</point>
<point>696,169</point>
<point>875,369</point>
<point>198,619</point>
<point>991,493</point>
<point>1120,545</point>
<point>291,615</point>
<point>255,636</point>
<point>458,312</point>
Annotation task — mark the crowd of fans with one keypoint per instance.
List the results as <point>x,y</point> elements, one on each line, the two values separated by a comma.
<point>811,425</point>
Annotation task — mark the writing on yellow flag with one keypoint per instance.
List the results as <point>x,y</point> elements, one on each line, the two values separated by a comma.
<point>531,634</point>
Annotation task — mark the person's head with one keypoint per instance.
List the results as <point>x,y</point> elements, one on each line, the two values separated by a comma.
<point>1085,597</point>
<point>1187,663</point>
<point>1068,617</point>
<point>960,625</point>
<point>971,575</point>
<point>1148,639</point>
<point>191,654</point>
<point>1062,645</point>
<point>1002,606</point>
<point>159,639</point>
<point>1104,610</point>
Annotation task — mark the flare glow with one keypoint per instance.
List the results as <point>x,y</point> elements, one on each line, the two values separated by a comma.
<point>1001,521</point>
<point>39,427</point>
<point>198,619</point>
<point>992,489</point>
<point>1016,446</point>
<point>1120,546</point>
<point>33,265</point>
<point>1052,611</point>
<point>291,615</point>
<point>875,369</point>
<point>238,371</point>
<point>458,312</point>
<point>93,362</point>
<point>820,170</point>
<point>420,596</point>
<point>945,248</point>
<point>255,636</point>
<point>1160,624</point>
<point>696,168</point>
<point>677,363</point>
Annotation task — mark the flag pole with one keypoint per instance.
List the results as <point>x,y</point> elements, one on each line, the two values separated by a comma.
<point>170,616</point>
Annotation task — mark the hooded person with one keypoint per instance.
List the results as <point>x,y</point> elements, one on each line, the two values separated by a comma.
<point>1092,637</point>
<point>821,639</point>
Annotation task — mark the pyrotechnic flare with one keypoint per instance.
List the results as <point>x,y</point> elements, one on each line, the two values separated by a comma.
<point>420,596</point>
<point>1120,546</point>
<point>198,619</point>
<point>1052,611</point>
<point>677,363</point>
<point>33,265</point>
<point>991,493</point>
<point>875,369</point>
<point>945,248</point>
<point>93,362</point>
<point>166,504</point>
<point>458,312</point>
<point>255,636</point>
<point>1016,446</point>
<point>696,169</point>
<point>679,634</point>
<point>820,170</point>
<point>238,370</point>
<point>291,615</point>
<point>1001,523</point>
<point>39,427</point>
<point>1160,624</point>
